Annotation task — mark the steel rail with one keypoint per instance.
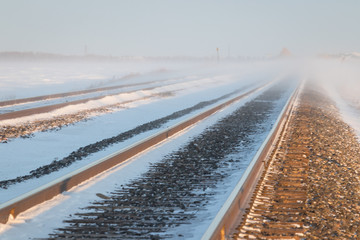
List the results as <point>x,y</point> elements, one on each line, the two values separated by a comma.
<point>46,192</point>
<point>49,108</point>
<point>232,211</point>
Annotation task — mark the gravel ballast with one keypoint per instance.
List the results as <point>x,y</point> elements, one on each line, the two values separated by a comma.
<point>333,197</point>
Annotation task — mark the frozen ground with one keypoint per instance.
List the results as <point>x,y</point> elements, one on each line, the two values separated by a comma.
<point>341,80</point>
<point>44,147</point>
<point>24,79</point>
<point>50,215</point>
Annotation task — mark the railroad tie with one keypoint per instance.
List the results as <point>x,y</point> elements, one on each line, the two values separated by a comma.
<point>278,204</point>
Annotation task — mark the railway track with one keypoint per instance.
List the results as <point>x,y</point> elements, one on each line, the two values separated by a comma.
<point>28,126</point>
<point>49,108</point>
<point>178,187</point>
<point>241,199</point>
<point>69,94</point>
<point>22,203</point>
<point>278,204</point>
<point>185,202</point>
<point>309,155</point>
<point>85,151</point>
<point>308,181</point>
<point>10,114</point>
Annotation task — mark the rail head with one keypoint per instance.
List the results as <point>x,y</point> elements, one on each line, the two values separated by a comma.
<point>234,207</point>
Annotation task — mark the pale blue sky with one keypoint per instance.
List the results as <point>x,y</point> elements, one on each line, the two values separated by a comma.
<point>180,27</point>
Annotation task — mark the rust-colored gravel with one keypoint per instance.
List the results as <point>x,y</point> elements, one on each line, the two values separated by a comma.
<point>311,189</point>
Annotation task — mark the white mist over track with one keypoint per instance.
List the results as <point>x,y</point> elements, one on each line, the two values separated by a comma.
<point>340,78</point>
<point>212,81</point>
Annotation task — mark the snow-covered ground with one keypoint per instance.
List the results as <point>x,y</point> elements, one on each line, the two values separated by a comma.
<point>213,80</point>
<point>29,79</point>
<point>341,80</point>
<point>44,147</point>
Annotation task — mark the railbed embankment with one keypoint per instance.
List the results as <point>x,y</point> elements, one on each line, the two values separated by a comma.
<point>311,189</point>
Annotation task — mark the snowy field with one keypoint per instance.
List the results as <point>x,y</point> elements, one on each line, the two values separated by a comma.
<point>192,82</point>
<point>28,79</point>
<point>44,147</point>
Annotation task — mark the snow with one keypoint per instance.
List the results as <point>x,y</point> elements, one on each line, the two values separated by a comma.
<point>25,79</point>
<point>44,145</point>
<point>349,114</point>
<point>206,81</point>
<point>341,81</point>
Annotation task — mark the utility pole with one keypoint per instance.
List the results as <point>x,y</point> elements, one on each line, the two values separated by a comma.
<point>218,54</point>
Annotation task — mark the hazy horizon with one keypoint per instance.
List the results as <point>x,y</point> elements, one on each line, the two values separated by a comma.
<point>180,28</point>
